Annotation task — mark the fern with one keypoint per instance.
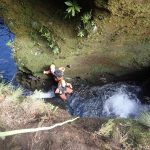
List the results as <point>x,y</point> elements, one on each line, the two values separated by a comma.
<point>86,18</point>
<point>73,8</point>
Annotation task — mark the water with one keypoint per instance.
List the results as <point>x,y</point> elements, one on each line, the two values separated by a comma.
<point>8,67</point>
<point>42,95</point>
<point>112,100</point>
<point>121,105</point>
<point>118,100</point>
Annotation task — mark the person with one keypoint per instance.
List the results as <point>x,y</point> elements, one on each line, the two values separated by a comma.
<point>51,70</point>
<point>63,89</point>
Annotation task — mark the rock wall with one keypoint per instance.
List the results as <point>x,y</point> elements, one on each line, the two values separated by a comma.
<point>119,44</point>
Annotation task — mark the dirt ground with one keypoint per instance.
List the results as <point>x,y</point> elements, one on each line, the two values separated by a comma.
<point>73,136</point>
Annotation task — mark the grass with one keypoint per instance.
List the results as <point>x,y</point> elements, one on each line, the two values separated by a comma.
<point>107,129</point>
<point>16,109</point>
<point>13,94</point>
<point>9,92</point>
<point>144,119</point>
<point>125,134</point>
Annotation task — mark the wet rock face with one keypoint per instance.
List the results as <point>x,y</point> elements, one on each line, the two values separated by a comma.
<point>101,3</point>
<point>31,82</point>
<point>120,42</point>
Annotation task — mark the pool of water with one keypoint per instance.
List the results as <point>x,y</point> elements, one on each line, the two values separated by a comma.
<point>8,66</point>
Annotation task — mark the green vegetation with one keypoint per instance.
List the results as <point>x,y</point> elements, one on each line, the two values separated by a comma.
<point>145,119</point>
<point>47,36</point>
<point>50,39</point>
<point>73,9</point>
<point>86,24</point>
<point>124,134</point>
<point>12,94</point>
<point>9,92</point>
<point>86,18</point>
<point>106,129</point>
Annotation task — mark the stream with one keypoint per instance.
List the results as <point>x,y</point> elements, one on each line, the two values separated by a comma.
<point>111,100</point>
<point>8,67</point>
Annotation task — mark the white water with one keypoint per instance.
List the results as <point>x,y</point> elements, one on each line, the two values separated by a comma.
<point>121,105</point>
<point>112,100</point>
<point>41,95</point>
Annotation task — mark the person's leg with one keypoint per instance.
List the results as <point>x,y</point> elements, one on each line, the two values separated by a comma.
<point>63,97</point>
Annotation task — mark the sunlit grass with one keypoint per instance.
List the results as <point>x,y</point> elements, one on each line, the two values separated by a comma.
<point>16,94</point>
<point>8,91</point>
<point>11,94</point>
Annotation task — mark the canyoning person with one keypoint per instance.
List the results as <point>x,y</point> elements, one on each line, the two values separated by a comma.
<point>51,70</point>
<point>63,88</point>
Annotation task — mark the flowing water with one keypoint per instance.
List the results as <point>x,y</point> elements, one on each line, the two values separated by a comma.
<point>112,100</point>
<point>8,67</point>
<point>117,100</point>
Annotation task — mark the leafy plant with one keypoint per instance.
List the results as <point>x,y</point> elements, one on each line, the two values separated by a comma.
<point>73,8</point>
<point>50,39</point>
<point>86,18</point>
<point>81,33</point>
<point>86,25</point>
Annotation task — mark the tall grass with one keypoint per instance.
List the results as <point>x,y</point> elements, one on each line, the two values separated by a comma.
<point>9,92</point>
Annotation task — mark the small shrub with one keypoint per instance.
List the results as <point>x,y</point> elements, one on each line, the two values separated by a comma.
<point>86,18</point>
<point>52,107</point>
<point>87,25</point>
<point>81,33</point>
<point>73,9</point>
<point>50,39</point>
<point>17,94</point>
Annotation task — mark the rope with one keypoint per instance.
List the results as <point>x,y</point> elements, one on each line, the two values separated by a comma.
<point>31,130</point>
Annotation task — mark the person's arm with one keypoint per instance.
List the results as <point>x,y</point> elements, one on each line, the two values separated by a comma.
<point>51,69</point>
<point>47,72</point>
